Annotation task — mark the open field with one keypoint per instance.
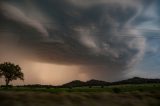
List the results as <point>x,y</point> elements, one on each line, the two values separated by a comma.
<point>112,89</point>
<point>119,95</point>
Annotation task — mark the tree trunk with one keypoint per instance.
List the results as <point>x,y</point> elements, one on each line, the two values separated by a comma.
<point>7,83</point>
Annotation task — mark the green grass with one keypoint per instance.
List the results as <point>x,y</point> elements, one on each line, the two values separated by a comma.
<point>121,88</point>
<point>118,95</point>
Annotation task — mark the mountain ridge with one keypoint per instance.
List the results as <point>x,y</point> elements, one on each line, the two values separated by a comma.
<point>93,82</point>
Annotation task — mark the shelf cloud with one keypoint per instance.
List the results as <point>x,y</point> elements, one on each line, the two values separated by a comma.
<point>100,37</point>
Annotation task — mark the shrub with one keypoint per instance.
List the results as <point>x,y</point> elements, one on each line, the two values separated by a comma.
<point>116,90</point>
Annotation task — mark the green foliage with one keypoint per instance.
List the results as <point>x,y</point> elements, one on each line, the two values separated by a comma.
<point>116,90</point>
<point>10,72</point>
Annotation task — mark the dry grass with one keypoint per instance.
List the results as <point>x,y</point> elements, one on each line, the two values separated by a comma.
<point>11,98</point>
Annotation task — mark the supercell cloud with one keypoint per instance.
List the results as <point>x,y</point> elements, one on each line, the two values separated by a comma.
<point>101,37</point>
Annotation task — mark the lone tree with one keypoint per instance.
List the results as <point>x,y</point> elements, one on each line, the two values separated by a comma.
<point>10,72</point>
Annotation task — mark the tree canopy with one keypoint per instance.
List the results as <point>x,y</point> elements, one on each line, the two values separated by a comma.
<point>10,72</point>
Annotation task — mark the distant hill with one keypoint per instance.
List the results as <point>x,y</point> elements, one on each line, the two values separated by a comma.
<point>93,82</point>
<point>137,80</point>
<point>76,83</point>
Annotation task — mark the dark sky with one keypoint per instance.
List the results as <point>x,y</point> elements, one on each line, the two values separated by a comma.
<point>56,41</point>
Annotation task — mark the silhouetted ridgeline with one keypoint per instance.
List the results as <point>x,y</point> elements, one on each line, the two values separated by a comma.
<point>135,80</point>
<point>90,83</point>
<point>78,83</point>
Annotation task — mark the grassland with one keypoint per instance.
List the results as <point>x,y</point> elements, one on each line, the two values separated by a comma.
<point>118,95</point>
<point>112,89</point>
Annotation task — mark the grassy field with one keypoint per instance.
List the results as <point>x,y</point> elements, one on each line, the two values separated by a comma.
<point>112,89</point>
<point>119,95</point>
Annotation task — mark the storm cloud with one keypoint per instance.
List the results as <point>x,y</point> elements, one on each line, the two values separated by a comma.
<point>100,37</point>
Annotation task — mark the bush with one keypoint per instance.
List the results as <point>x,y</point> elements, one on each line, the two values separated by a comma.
<point>116,90</point>
<point>90,86</point>
<point>141,90</point>
<point>4,86</point>
<point>102,86</point>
